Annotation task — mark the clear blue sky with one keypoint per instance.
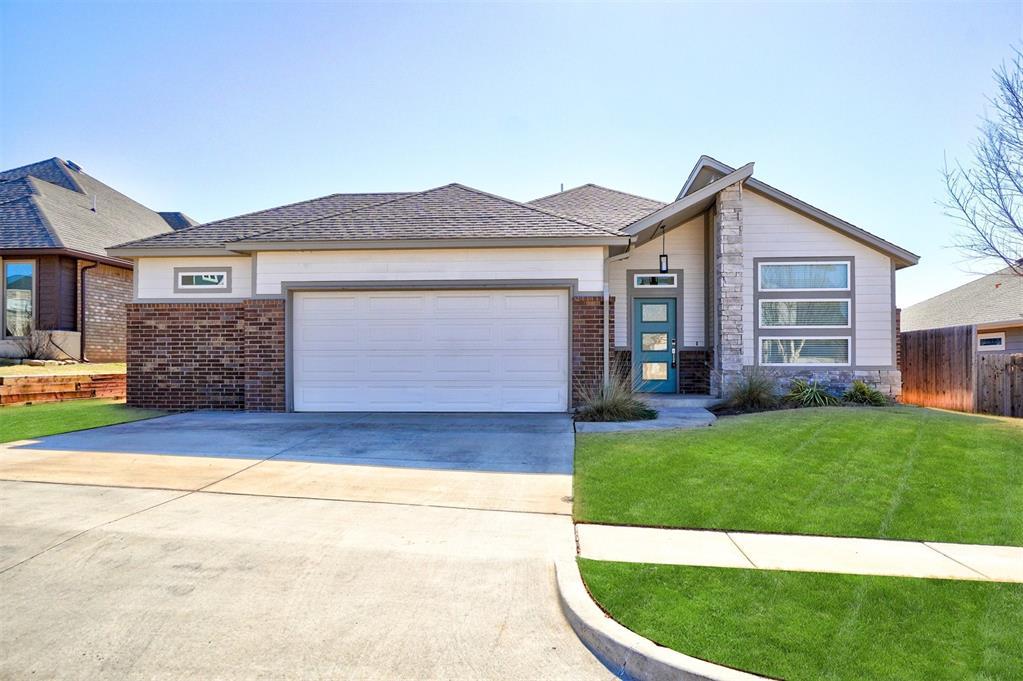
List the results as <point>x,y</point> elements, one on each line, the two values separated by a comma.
<point>219,109</point>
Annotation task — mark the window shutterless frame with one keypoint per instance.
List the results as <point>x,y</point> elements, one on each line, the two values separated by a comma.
<point>760,275</point>
<point>762,339</point>
<point>991,347</point>
<point>671,280</point>
<point>182,272</point>
<point>4,262</point>
<point>848,313</point>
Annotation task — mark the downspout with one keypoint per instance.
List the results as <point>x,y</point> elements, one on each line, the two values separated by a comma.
<point>607,308</point>
<point>81,306</point>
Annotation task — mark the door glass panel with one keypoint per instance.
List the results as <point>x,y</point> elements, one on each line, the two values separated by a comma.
<point>655,371</point>
<point>653,342</point>
<point>653,312</point>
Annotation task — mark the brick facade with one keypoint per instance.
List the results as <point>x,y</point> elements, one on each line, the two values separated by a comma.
<point>694,370</point>
<point>206,355</point>
<point>587,342</point>
<point>107,291</point>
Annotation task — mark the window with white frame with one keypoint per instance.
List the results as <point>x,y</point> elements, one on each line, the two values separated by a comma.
<point>655,280</point>
<point>792,313</point>
<point>810,351</point>
<point>991,341</point>
<point>205,280</point>
<point>804,276</point>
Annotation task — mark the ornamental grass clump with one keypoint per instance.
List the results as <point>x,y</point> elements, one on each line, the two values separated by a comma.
<point>615,400</point>
<point>754,391</point>
<point>861,393</point>
<point>809,394</point>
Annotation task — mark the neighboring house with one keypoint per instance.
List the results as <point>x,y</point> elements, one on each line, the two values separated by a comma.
<point>55,224</point>
<point>993,304</point>
<point>452,299</point>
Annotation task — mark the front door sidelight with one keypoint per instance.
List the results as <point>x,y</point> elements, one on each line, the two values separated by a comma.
<point>654,345</point>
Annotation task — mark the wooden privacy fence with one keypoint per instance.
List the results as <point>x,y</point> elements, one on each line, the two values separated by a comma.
<point>942,368</point>
<point>19,389</point>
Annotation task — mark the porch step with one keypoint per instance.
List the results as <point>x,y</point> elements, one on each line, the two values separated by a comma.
<point>667,401</point>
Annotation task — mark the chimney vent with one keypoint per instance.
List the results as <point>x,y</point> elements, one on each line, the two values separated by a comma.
<point>93,203</point>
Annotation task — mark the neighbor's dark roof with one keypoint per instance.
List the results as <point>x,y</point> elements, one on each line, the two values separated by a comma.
<point>453,211</point>
<point>598,205</point>
<point>997,297</point>
<point>49,205</point>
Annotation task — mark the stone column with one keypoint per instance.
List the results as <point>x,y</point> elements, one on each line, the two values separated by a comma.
<point>728,280</point>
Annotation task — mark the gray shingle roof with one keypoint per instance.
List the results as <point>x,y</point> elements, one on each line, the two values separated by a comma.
<point>997,297</point>
<point>216,234</point>
<point>453,211</point>
<point>177,219</point>
<point>49,205</point>
<point>599,205</point>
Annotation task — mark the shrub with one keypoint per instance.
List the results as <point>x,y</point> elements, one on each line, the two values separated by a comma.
<point>861,393</point>
<point>812,394</point>
<point>615,400</point>
<point>756,389</point>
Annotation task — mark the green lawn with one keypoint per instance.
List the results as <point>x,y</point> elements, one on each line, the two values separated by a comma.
<point>794,625</point>
<point>24,422</point>
<point>898,472</point>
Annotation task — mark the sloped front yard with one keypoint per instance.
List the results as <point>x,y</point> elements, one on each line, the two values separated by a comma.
<point>893,473</point>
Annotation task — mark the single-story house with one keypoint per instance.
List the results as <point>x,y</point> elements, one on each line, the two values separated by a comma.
<point>453,299</point>
<point>55,224</point>
<point>993,304</point>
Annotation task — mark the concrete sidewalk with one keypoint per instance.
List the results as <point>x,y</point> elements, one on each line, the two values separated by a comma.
<point>801,553</point>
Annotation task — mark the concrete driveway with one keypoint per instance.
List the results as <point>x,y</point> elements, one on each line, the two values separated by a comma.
<point>242,546</point>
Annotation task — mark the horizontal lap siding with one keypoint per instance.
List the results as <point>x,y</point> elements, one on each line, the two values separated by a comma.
<point>773,231</point>
<point>156,277</point>
<point>585,264</point>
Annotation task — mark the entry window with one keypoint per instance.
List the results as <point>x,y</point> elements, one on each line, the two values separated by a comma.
<point>655,281</point>
<point>653,312</point>
<point>991,341</point>
<point>19,289</point>
<point>655,371</point>
<point>652,342</point>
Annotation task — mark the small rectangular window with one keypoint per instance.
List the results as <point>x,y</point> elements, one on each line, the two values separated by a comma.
<point>991,341</point>
<point>794,314</point>
<point>654,342</point>
<point>19,298</point>
<point>655,371</point>
<point>804,351</point>
<point>653,312</point>
<point>203,280</point>
<point>804,276</point>
<point>655,280</point>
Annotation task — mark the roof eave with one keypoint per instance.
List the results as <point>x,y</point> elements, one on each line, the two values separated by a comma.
<point>162,251</point>
<point>390,244</point>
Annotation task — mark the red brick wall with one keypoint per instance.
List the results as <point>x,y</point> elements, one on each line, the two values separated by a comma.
<point>587,342</point>
<point>694,367</point>
<point>107,290</point>
<point>207,355</point>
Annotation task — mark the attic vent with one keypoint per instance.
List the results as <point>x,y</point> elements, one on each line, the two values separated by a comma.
<point>73,166</point>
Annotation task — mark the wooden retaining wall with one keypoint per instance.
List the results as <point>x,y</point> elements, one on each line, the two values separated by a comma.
<point>20,389</point>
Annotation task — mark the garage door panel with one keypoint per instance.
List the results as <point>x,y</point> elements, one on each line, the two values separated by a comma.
<point>431,351</point>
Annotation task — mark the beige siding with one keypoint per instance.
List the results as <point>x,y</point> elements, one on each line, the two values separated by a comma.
<point>156,277</point>
<point>773,231</point>
<point>582,263</point>
<point>684,246</point>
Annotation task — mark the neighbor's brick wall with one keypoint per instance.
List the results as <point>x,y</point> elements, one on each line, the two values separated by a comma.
<point>207,355</point>
<point>107,291</point>
<point>587,341</point>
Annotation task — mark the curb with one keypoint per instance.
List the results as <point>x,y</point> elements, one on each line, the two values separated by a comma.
<point>624,652</point>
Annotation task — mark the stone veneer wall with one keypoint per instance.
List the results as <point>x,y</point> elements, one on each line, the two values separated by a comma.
<point>888,381</point>
<point>587,342</point>
<point>107,291</point>
<point>206,355</point>
<point>728,278</point>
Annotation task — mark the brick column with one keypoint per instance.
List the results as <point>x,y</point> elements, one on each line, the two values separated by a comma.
<point>728,277</point>
<point>264,355</point>
<point>587,336</point>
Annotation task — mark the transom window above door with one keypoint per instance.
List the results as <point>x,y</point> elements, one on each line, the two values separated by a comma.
<point>655,280</point>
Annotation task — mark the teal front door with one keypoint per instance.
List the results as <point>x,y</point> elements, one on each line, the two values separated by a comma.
<point>654,361</point>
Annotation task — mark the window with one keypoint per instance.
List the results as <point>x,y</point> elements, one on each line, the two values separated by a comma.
<point>655,371</point>
<point>19,293</point>
<point>653,312</point>
<point>794,314</point>
<point>991,341</point>
<point>194,280</point>
<point>804,276</point>
<point>804,351</point>
<point>654,342</point>
<point>655,280</point>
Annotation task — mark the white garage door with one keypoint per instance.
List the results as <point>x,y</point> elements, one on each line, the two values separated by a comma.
<point>430,351</point>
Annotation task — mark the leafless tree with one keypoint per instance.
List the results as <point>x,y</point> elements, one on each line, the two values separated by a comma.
<point>986,195</point>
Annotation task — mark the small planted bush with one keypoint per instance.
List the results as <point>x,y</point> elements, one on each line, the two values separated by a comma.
<point>615,400</point>
<point>754,391</point>
<point>809,394</point>
<point>861,393</point>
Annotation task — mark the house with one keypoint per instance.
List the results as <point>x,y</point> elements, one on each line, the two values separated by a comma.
<point>55,224</point>
<point>993,304</point>
<point>453,299</point>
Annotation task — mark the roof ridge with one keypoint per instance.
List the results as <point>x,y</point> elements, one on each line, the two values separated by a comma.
<point>537,209</point>
<point>597,186</point>
<point>331,215</point>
